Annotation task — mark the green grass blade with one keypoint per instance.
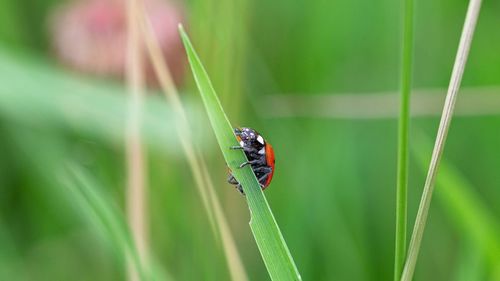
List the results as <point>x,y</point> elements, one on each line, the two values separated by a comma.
<point>86,194</point>
<point>98,208</point>
<point>444,125</point>
<point>272,246</point>
<point>403,132</point>
<point>465,208</point>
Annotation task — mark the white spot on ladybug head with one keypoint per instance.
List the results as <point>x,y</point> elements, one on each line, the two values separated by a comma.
<point>260,139</point>
<point>262,151</point>
<point>242,143</point>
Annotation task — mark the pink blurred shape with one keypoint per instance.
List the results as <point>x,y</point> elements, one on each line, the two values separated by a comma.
<point>90,36</point>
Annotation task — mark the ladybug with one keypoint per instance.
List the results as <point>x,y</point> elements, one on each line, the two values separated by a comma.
<point>260,155</point>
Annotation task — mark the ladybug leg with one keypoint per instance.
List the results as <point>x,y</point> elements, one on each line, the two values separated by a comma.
<point>240,189</point>
<point>264,169</point>
<point>232,180</point>
<point>246,149</point>
<point>263,178</point>
<point>253,162</point>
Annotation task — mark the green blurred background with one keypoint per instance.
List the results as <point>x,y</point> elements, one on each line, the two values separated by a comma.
<point>273,63</point>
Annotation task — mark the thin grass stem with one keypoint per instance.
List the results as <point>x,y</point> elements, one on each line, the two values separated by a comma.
<point>235,265</point>
<point>198,167</point>
<point>136,194</point>
<point>403,142</point>
<point>166,83</point>
<point>456,77</point>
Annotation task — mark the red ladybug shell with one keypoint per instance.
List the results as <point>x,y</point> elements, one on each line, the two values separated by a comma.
<point>270,162</point>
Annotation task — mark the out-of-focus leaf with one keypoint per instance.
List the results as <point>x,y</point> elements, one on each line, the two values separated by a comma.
<point>37,94</point>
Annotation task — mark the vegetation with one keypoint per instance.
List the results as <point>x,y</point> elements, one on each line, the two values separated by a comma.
<point>319,80</point>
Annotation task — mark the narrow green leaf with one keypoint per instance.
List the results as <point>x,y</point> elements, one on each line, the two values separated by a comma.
<point>93,203</point>
<point>464,207</point>
<point>272,246</point>
<point>444,126</point>
<point>92,107</point>
<point>98,208</point>
<point>403,141</point>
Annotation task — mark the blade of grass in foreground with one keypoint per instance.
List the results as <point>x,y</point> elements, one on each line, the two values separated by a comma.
<point>272,246</point>
<point>444,125</point>
<point>403,132</point>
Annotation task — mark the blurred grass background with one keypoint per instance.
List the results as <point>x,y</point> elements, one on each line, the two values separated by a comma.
<point>333,193</point>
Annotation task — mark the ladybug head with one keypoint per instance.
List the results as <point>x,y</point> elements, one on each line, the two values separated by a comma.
<point>249,136</point>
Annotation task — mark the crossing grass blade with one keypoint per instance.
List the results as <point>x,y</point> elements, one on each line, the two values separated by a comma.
<point>270,242</point>
<point>465,207</point>
<point>444,125</point>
